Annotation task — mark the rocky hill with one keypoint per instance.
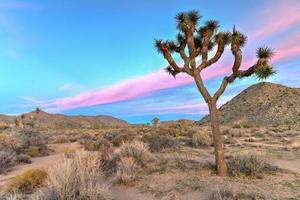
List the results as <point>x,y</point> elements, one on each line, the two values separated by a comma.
<point>51,120</point>
<point>262,104</point>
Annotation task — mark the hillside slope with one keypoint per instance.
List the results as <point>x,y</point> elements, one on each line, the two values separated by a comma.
<point>262,104</point>
<point>50,120</point>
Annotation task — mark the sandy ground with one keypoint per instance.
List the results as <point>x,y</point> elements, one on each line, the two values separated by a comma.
<point>122,192</point>
<point>41,162</point>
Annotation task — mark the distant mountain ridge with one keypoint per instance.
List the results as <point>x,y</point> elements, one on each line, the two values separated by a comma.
<point>47,119</point>
<point>263,103</point>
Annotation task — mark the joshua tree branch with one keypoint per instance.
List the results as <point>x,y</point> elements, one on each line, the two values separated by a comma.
<point>237,53</point>
<point>191,47</point>
<point>205,49</point>
<point>217,56</point>
<point>230,79</point>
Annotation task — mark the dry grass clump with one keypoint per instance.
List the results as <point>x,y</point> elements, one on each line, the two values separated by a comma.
<point>8,159</point>
<point>77,178</point>
<point>202,139</point>
<point>124,164</point>
<point>249,165</point>
<point>126,170</point>
<point>28,181</point>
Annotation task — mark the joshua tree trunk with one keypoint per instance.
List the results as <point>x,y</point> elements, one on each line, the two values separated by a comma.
<point>217,139</point>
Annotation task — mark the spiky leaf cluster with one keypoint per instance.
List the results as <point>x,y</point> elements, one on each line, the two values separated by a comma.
<point>223,37</point>
<point>264,72</point>
<point>171,71</point>
<point>186,21</point>
<point>170,45</point>
<point>238,38</point>
<point>264,53</point>
<point>158,45</point>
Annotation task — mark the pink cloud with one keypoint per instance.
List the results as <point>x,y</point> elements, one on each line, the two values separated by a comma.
<point>288,48</point>
<point>278,17</point>
<point>125,90</point>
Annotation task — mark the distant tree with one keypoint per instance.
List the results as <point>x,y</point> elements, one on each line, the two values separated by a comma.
<point>195,42</point>
<point>155,121</point>
<point>37,110</point>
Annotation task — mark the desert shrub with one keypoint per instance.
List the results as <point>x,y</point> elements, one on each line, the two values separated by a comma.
<point>7,160</point>
<point>202,139</point>
<point>249,165</point>
<point>57,139</point>
<point>138,151</point>
<point>118,137</point>
<point>77,178</point>
<point>99,144</point>
<point>12,196</point>
<point>69,152</point>
<point>227,193</point>
<point>221,193</point>
<point>9,141</point>
<point>125,163</point>
<point>158,142</point>
<point>237,126</point>
<point>247,125</point>
<point>33,141</point>
<point>33,151</point>
<point>28,181</point>
<point>23,158</point>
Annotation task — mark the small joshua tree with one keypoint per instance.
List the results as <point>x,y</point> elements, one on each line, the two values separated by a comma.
<point>195,42</point>
<point>155,121</point>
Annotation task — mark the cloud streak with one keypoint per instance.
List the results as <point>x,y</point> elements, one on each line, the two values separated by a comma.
<point>278,17</point>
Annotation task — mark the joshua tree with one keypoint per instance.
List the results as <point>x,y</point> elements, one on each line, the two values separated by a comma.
<point>37,110</point>
<point>195,45</point>
<point>155,121</point>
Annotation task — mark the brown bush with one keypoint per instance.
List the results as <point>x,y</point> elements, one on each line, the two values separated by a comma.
<point>28,181</point>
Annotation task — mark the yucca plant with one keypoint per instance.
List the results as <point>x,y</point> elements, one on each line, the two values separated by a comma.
<point>193,42</point>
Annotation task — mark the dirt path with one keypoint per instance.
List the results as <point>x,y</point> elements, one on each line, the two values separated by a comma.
<point>41,162</point>
<point>128,193</point>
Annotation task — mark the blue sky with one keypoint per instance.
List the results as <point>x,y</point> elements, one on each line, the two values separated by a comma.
<point>94,57</point>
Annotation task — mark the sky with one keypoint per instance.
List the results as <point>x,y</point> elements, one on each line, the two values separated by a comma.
<point>91,57</point>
